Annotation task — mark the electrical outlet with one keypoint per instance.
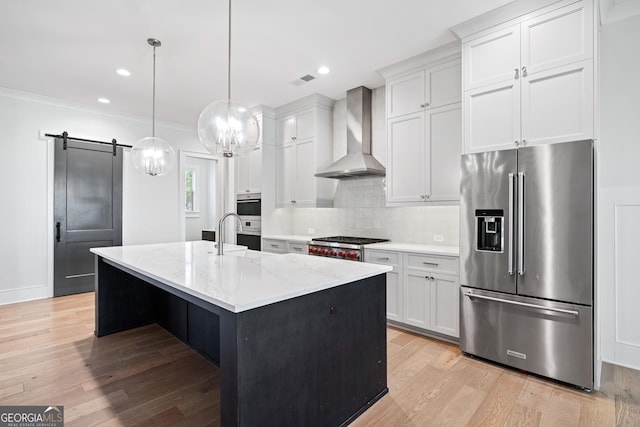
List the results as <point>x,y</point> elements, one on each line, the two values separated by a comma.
<point>438,238</point>
<point>311,230</point>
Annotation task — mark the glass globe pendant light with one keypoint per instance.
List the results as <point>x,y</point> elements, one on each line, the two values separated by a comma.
<point>151,155</point>
<point>225,127</point>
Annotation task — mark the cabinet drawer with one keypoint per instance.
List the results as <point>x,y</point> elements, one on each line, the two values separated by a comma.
<point>440,264</point>
<point>298,248</point>
<point>382,257</point>
<point>276,246</point>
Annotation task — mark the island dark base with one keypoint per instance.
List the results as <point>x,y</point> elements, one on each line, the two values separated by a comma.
<point>315,360</point>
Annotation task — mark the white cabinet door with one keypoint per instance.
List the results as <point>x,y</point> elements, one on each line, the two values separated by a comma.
<point>445,304</point>
<point>406,180</point>
<point>444,84</point>
<point>285,174</point>
<point>492,58</point>
<point>417,299</point>
<point>557,38</point>
<point>394,280</point>
<point>249,172</point>
<point>242,174</point>
<point>255,170</point>
<point>444,131</point>
<point>405,94</point>
<point>492,117</point>
<point>305,125</point>
<point>394,296</point>
<point>557,104</point>
<point>304,181</point>
<point>286,130</point>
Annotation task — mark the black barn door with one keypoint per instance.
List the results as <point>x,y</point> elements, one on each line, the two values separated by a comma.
<point>87,211</point>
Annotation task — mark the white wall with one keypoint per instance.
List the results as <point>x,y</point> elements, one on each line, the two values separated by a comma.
<point>360,204</point>
<point>150,204</point>
<point>619,193</point>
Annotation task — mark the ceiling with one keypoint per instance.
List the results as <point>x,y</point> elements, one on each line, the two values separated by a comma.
<point>70,49</point>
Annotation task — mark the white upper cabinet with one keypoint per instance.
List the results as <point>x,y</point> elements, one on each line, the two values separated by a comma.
<point>406,94</point>
<point>296,127</point>
<point>305,145</point>
<point>249,172</point>
<point>424,128</point>
<point>554,39</point>
<point>530,81</point>
<point>249,168</point>
<point>492,58</point>
<point>420,90</point>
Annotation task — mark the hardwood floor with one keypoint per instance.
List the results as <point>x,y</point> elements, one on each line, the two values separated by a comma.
<point>49,356</point>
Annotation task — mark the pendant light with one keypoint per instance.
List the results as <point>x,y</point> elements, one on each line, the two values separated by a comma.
<point>151,155</point>
<point>225,127</point>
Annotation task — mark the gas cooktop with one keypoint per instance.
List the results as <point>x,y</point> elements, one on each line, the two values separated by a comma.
<point>349,240</point>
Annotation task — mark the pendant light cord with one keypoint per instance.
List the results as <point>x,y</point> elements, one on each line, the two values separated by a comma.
<point>153,109</point>
<point>229,58</point>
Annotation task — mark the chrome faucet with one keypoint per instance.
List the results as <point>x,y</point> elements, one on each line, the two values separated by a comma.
<point>220,237</point>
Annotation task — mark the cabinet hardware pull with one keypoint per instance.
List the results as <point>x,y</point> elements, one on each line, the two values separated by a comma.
<point>435,264</point>
<point>426,104</point>
<point>426,277</point>
<point>524,142</point>
<point>58,231</point>
<point>517,74</point>
<point>516,143</point>
<point>273,245</point>
<point>432,278</point>
<point>297,249</point>
<point>524,71</point>
<point>383,258</point>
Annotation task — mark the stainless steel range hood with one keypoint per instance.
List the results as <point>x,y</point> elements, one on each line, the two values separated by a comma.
<point>358,163</point>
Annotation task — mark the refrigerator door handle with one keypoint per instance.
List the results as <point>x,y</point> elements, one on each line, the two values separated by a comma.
<point>521,218</point>
<point>523,304</point>
<point>511,248</point>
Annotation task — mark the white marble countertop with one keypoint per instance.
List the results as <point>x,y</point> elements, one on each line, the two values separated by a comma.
<point>416,248</point>
<point>389,246</point>
<point>290,237</point>
<point>240,279</point>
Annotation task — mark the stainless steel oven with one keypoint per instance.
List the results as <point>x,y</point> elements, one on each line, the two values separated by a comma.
<point>248,206</point>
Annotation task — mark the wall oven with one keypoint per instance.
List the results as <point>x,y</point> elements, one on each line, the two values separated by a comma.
<point>248,206</point>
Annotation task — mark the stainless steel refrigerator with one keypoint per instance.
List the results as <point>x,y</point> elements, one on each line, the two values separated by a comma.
<point>526,259</point>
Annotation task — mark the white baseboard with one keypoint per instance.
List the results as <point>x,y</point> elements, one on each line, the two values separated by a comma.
<point>11,296</point>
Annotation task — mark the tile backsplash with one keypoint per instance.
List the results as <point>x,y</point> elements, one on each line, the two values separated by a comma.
<point>360,211</point>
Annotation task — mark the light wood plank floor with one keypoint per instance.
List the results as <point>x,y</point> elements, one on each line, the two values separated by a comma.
<point>49,356</point>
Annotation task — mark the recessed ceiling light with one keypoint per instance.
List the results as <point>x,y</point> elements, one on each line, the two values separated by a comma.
<point>323,70</point>
<point>123,72</point>
<point>104,100</point>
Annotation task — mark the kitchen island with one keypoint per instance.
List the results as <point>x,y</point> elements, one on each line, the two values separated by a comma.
<point>299,340</point>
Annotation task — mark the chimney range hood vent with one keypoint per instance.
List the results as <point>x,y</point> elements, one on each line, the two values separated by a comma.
<point>358,163</point>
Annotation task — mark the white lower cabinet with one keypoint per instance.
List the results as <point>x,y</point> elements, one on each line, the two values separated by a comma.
<point>394,280</point>
<point>445,297</point>
<point>417,296</point>
<point>422,290</point>
<point>274,246</point>
<point>282,246</point>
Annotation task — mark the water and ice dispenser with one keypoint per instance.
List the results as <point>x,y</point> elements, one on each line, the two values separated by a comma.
<point>490,230</point>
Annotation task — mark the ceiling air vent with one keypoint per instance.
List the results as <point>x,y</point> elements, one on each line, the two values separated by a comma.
<point>304,79</point>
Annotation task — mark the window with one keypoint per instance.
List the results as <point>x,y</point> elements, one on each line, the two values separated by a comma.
<point>190,199</point>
